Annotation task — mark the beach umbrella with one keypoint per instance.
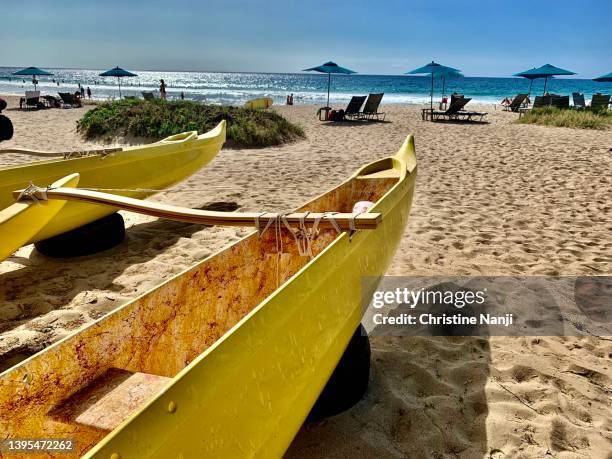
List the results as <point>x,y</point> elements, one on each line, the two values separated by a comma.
<point>119,73</point>
<point>530,78</point>
<point>607,78</point>
<point>33,72</point>
<point>433,69</point>
<point>546,71</point>
<point>329,68</point>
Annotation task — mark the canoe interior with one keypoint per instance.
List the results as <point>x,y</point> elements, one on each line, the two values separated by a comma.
<point>87,384</point>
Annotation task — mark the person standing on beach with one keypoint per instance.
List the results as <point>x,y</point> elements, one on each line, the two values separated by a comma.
<point>88,92</point>
<point>162,89</point>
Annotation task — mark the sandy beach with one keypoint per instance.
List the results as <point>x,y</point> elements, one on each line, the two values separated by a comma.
<point>492,199</point>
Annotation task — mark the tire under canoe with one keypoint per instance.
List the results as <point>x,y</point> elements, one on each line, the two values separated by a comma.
<point>94,237</point>
<point>349,381</point>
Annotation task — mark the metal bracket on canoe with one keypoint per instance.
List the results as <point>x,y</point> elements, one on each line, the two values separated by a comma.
<point>345,221</point>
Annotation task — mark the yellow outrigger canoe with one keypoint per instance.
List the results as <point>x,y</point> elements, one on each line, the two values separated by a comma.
<point>141,169</point>
<point>260,103</point>
<point>227,358</point>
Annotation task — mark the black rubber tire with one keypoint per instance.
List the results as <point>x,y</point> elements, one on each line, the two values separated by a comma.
<point>94,237</point>
<point>6,128</point>
<point>349,381</point>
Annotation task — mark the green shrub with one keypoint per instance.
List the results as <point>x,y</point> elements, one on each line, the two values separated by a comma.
<point>158,119</point>
<point>582,119</point>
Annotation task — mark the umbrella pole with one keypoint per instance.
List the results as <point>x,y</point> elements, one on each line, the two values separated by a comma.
<point>328,85</point>
<point>530,85</point>
<point>431,94</point>
<point>545,81</point>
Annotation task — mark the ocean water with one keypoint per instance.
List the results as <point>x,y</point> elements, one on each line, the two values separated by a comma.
<point>236,88</point>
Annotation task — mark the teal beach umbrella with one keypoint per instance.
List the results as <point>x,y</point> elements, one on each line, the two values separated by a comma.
<point>546,71</point>
<point>119,73</point>
<point>530,78</point>
<point>329,68</point>
<point>607,78</point>
<point>433,69</point>
<point>33,72</point>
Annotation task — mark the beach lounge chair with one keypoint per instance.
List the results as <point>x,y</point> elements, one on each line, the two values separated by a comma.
<point>559,101</point>
<point>31,100</point>
<point>51,101</point>
<point>458,101</point>
<point>370,109</point>
<point>455,111</point>
<point>469,115</point>
<point>579,102</point>
<point>148,95</point>
<point>69,100</point>
<point>452,112</point>
<point>516,103</point>
<point>539,102</point>
<point>600,102</point>
<point>354,106</point>
<point>542,101</point>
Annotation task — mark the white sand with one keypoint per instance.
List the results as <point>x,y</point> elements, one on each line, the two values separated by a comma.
<point>491,199</point>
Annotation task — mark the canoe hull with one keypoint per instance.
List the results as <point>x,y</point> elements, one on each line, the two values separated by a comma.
<point>261,103</point>
<point>245,359</point>
<point>156,166</point>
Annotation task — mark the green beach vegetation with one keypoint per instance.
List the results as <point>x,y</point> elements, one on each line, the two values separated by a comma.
<point>157,119</point>
<point>581,119</point>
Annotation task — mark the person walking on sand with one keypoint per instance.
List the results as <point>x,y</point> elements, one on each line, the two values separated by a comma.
<point>162,89</point>
<point>88,92</point>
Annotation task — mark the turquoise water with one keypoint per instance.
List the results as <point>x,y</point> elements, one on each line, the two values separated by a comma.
<point>235,88</point>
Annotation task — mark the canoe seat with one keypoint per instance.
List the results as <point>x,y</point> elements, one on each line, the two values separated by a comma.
<point>109,399</point>
<point>386,173</point>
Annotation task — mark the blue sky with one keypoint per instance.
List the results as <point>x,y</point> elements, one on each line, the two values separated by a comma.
<point>485,37</point>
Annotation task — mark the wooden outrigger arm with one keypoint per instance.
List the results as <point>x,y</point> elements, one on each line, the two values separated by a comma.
<point>343,221</point>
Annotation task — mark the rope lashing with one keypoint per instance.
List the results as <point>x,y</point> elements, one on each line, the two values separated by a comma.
<point>330,216</point>
<point>302,235</point>
<point>271,219</point>
<point>33,193</point>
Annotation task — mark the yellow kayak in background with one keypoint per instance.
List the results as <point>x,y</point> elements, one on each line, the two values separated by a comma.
<point>143,168</point>
<point>227,358</point>
<point>261,103</point>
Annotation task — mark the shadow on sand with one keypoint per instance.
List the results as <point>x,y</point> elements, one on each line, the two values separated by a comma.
<point>48,280</point>
<point>426,398</point>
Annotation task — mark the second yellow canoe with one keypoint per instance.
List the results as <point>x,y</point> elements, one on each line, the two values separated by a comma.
<point>136,171</point>
<point>261,103</point>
